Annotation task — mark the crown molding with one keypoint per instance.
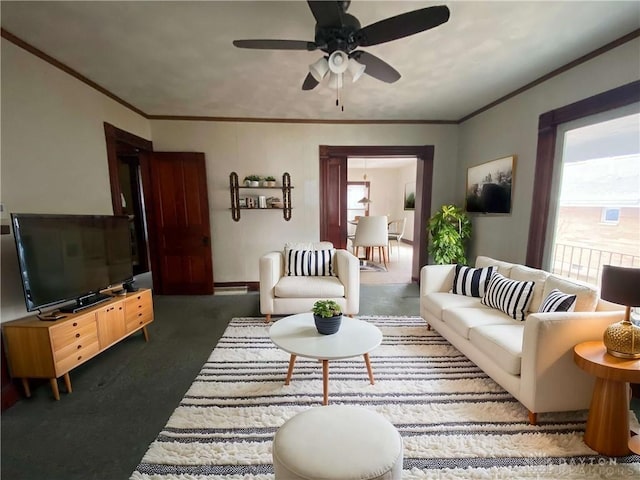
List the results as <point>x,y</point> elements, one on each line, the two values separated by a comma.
<point>49,59</point>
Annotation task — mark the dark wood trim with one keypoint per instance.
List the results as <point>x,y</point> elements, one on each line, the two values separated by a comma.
<point>5,229</point>
<point>10,393</point>
<point>52,61</point>
<point>548,124</point>
<point>585,58</point>
<point>113,136</point>
<point>47,58</point>
<point>301,120</point>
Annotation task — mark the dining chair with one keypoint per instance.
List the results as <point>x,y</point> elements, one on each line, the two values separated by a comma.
<point>372,232</point>
<point>396,232</point>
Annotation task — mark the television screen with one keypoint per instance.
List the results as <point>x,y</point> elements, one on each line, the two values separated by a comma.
<point>66,257</point>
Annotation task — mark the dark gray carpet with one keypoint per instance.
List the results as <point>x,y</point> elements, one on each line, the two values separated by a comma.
<point>123,397</point>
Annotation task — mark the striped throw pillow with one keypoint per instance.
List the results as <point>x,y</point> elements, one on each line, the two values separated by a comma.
<point>472,282</point>
<point>310,263</point>
<point>509,296</point>
<point>557,301</point>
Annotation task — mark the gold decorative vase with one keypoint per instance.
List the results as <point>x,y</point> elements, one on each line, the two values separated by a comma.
<point>621,285</point>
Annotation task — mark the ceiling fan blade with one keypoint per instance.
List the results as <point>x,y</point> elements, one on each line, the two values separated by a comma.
<point>276,44</point>
<point>376,67</point>
<point>309,82</point>
<point>402,25</point>
<point>327,14</point>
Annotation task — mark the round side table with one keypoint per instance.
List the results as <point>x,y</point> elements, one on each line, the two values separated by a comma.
<point>607,429</point>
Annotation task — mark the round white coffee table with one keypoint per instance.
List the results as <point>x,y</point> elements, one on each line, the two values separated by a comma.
<point>298,336</point>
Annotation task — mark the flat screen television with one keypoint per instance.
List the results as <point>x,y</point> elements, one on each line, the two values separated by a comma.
<point>71,257</point>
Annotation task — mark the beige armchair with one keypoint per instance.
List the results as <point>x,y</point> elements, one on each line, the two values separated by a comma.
<point>285,291</point>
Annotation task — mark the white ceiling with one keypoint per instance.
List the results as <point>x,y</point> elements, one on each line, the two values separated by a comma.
<point>176,58</point>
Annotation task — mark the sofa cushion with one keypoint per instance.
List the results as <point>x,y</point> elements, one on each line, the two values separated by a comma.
<point>504,268</point>
<point>436,302</point>
<point>501,343</point>
<point>509,296</point>
<point>471,282</point>
<point>309,287</point>
<point>462,320</point>
<point>586,295</point>
<point>538,277</point>
<point>310,262</point>
<point>557,301</point>
<point>303,246</point>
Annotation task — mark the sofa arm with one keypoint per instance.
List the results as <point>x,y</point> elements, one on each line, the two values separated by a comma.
<point>271,270</point>
<point>436,278</point>
<point>348,267</point>
<point>551,381</point>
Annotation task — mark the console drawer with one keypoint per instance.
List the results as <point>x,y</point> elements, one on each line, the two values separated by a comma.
<point>75,356</point>
<point>65,335</point>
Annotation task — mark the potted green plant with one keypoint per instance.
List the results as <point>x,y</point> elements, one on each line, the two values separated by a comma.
<point>252,180</point>
<point>449,229</point>
<point>269,181</point>
<point>328,316</point>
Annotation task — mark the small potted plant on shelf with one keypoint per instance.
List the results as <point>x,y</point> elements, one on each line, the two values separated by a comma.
<point>269,181</point>
<point>328,316</point>
<point>252,180</point>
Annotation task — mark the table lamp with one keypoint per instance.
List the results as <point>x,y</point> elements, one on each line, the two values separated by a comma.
<point>622,285</point>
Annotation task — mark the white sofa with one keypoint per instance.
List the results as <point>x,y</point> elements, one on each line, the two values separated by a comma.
<point>531,359</point>
<point>281,294</point>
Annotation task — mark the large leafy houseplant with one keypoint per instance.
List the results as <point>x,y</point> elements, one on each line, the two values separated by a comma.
<point>449,229</point>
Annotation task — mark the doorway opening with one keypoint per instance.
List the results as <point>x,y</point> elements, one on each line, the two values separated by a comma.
<point>125,153</point>
<point>335,163</point>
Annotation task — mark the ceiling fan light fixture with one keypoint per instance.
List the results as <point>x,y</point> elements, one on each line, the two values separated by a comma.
<point>319,68</point>
<point>355,69</point>
<point>338,62</point>
<point>335,80</point>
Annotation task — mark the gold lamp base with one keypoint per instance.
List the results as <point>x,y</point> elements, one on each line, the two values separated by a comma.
<point>622,340</point>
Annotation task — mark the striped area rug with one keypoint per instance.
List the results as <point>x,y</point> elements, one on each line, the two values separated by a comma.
<point>455,421</point>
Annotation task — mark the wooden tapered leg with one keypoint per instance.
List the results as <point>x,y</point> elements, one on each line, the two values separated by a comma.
<point>54,388</point>
<point>325,382</point>
<point>369,370</point>
<point>145,333</point>
<point>533,418</point>
<point>67,382</point>
<point>292,360</point>
<point>267,318</point>
<point>27,389</point>
<point>607,429</point>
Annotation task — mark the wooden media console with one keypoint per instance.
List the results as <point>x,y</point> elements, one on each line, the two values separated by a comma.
<point>51,349</point>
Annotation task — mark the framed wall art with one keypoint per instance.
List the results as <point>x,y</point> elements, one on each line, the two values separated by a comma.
<point>410,196</point>
<point>490,186</point>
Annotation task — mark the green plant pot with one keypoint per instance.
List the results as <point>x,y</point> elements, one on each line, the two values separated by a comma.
<point>327,325</point>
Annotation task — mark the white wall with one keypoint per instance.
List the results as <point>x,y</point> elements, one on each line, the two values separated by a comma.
<point>512,128</point>
<point>272,148</point>
<point>54,157</point>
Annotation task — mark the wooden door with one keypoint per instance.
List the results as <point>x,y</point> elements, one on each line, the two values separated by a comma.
<point>181,250</point>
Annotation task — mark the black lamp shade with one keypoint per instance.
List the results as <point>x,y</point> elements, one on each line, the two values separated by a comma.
<point>621,285</point>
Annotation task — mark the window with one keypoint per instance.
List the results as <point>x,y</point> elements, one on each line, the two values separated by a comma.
<point>610,215</point>
<point>596,220</point>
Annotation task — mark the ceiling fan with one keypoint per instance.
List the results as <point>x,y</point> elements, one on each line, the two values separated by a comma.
<point>339,35</point>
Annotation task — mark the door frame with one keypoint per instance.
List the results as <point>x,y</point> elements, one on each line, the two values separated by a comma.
<point>144,148</point>
<point>424,181</point>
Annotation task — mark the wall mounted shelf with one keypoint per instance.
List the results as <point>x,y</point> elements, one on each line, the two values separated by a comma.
<point>236,207</point>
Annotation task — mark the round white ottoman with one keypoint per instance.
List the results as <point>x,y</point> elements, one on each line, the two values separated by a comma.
<point>337,442</point>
